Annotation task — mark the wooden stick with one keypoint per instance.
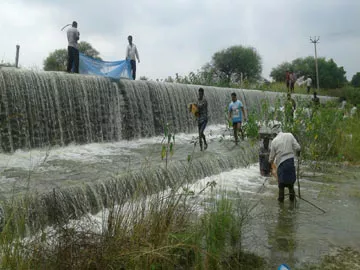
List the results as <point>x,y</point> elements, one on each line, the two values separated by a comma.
<point>298,176</point>
<point>65,26</point>
<point>317,207</point>
<point>322,210</point>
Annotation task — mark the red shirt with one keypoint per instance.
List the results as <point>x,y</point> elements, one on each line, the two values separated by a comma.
<point>288,76</point>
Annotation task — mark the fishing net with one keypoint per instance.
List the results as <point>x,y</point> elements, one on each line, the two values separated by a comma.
<point>114,70</point>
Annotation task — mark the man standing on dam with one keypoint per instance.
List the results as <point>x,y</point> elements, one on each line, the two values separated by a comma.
<point>132,54</point>
<point>202,107</point>
<point>73,36</point>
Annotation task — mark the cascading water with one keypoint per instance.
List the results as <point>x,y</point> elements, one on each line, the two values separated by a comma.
<point>73,202</point>
<point>42,109</point>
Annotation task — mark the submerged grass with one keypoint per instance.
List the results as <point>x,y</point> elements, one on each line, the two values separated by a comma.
<point>166,231</point>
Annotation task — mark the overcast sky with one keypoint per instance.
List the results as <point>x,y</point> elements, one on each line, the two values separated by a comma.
<point>179,36</point>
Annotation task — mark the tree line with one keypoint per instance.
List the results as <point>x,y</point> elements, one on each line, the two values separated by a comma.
<point>233,66</point>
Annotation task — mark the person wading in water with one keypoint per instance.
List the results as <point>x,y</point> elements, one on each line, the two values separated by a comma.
<point>236,112</point>
<point>202,107</point>
<point>282,150</point>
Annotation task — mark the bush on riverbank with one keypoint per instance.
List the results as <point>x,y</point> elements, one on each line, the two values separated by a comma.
<point>325,132</point>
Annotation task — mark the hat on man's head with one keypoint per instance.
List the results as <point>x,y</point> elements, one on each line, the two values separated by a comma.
<point>276,128</point>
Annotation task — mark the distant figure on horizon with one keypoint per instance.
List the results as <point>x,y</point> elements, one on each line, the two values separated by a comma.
<point>202,107</point>
<point>292,81</point>
<point>73,35</point>
<point>353,111</point>
<point>288,80</point>
<point>316,100</point>
<point>308,84</point>
<point>132,54</point>
<point>236,113</point>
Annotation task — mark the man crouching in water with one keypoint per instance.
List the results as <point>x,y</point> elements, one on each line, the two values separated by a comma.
<point>282,150</point>
<point>203,118</point>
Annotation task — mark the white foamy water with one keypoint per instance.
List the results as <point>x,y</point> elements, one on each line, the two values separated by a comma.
<point>95,152</point>
<point>243,180</point>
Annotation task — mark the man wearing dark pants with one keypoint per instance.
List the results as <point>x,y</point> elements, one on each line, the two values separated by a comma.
<point>73,36</point>
<point>202,106</point>
<point>132,54</point>
<point>282,152</point>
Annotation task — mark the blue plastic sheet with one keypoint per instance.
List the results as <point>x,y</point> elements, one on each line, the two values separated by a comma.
<point>114,70</point>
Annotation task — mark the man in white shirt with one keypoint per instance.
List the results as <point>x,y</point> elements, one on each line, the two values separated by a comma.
<point>282,150</point>
<point>132,54</point>
<point>353,111</point>
<point>308,84</point>
<point>73,36</point>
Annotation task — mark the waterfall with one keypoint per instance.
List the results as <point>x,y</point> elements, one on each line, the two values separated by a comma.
<point>63,204</point>
<point>50,108</point>
<point>39,109</point>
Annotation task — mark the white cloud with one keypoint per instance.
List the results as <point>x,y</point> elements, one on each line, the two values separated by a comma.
<point>180,36</point>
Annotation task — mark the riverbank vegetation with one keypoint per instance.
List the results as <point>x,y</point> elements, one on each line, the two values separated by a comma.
<point>178,229</point>
<point>326,132</point>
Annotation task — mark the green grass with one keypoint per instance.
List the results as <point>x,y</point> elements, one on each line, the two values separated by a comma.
<point>166,231</point>
<point>325,133</point>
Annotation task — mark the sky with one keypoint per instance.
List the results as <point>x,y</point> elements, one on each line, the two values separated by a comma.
<point>180,36</point>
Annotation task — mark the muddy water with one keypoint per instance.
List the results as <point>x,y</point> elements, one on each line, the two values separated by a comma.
<point>298,233</point>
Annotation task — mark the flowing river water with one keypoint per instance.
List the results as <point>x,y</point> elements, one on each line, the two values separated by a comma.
<point>282,233</point>
<point>79,142</point>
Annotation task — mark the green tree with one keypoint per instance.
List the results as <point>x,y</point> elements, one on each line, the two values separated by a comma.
<point>57,60</point>
<point>355,81</point>
<point>330,75</point>
<point>234,63</point>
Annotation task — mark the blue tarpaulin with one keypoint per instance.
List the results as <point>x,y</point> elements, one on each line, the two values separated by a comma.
<point>114,70</point>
